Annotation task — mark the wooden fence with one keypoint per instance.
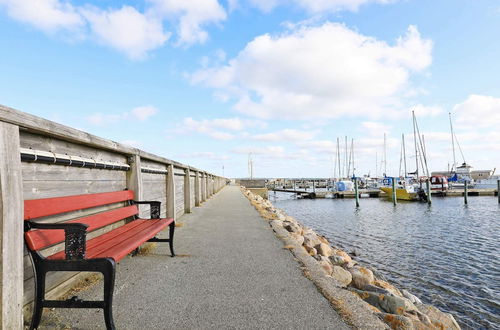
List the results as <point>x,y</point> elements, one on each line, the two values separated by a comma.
<point>40,158</point>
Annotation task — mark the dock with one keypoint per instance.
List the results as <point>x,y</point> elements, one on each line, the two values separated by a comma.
<point>376,193</point>
<point>373,193</point>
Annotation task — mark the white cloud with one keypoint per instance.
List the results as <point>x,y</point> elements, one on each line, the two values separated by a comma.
<point>321,146</point>
<point>204,155</point>
<point>375,128</point>
<point>286,135</point>
<point>126,30</point>
<point>209,127</point>
<point>427,111</point>
<point>190,17</point>
<point>142,113</point>
<point>316,6</point>
<point>47,15</point>
<point>478,111</point>
<point>217,128</point>
<point>320,72</point>
<point>268,150</point>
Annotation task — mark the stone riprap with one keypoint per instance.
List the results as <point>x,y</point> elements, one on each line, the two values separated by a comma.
<point>338,276</point>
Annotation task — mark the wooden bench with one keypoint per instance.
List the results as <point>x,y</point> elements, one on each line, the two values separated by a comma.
<point>98,254</point>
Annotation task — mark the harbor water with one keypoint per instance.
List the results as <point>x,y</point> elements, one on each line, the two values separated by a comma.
<point>447,254</point>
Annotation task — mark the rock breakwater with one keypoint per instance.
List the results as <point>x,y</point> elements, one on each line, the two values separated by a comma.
<point>364,300</point>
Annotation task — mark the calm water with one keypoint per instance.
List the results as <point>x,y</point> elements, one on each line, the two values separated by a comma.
<point>446,254</point>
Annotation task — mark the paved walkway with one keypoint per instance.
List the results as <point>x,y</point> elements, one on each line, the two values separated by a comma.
<point>231,273</point>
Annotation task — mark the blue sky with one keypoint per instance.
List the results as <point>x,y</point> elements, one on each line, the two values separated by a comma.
<point>208,82</point>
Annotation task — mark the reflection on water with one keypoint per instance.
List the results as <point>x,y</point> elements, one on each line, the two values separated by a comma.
<point>446,254</point>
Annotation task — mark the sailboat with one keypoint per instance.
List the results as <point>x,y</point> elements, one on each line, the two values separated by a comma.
<point>409,188</point>
<point>458,175</point>
<point>404,190</point>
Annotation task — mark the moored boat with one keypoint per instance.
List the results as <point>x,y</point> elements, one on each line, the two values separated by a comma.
<point>408,193</point>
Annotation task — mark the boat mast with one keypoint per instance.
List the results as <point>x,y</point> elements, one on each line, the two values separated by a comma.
<point>338,157</point>
<point>376,164</point>
<point>345,159</point>
<point>423,153</point>
<point>352,155</point>
<point>415,140</point>
<point>453,166</point>
<point>385,156</point>
<point>334,165</point>
<point>404,154</point>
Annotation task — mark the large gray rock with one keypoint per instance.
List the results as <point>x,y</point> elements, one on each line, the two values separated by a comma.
<point>361,277</point>
<point>291,227</point>
<point>337,260</point>
<point>398,322</point>
<point>324,249</point>
<point>387,303</point>
<point>298,238</point>
<point>311,239</point>
<point>342,254</point>
<point>326,265</point>
<point>389,287</point>
<point>410,297</point>
<point>341,275</point>
<point>439,319</point>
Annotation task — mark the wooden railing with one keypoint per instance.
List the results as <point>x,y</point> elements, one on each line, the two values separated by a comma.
<point>40,158</point>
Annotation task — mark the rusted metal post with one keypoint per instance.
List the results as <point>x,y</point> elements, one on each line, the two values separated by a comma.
<point>429,195</point>
<point>466,192</point>
<point>356,191</point>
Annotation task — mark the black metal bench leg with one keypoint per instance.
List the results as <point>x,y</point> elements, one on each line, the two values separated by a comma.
<point>39,297</point>
<point>109,284</point>
<point>171,238</point>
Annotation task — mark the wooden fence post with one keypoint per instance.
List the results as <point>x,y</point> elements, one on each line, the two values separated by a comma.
<point>203,187</point>
<point>197,191</point>
<point>187,190</point>
<point>211,185</point>
<point>11,228</point>
<point>207,196</point>
<point>171,192</point>
<point>134,177</point>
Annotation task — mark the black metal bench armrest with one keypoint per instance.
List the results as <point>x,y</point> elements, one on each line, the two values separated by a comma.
<point>75,237</point>
<point>155,208</point>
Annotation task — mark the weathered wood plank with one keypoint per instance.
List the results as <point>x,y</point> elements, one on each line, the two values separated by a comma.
<point>179,195</point>
<point>35,190</point>
<point>186,185</point>
<point>191,192</point>
<point>11,228</point>
<point>47,143</point>
<point>171,200</point>
<point>52,172</point>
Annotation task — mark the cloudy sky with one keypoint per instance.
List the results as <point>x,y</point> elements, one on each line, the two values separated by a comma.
<point>208,82</point>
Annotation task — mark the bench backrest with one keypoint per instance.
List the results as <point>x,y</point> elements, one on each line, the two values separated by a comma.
<point>37,208</point>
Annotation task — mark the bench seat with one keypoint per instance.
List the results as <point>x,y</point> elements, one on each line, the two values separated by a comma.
<point>119,242</point>
<point>102,212</point>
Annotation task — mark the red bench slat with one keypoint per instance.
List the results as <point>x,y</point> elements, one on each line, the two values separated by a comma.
<point>118,243</point>
<point>37,208</point>
<point>39,239</point>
